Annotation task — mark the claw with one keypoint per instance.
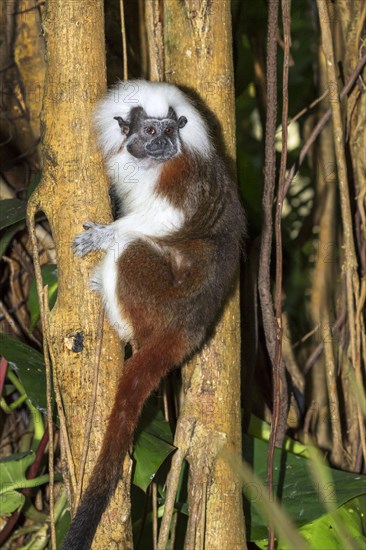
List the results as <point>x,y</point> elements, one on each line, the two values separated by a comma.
<point>89,225</point>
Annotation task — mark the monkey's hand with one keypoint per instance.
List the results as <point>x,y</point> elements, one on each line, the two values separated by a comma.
<point>96,237</point>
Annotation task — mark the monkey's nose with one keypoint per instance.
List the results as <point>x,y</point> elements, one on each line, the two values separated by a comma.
<point>161,148</point>
<point>159,144</point>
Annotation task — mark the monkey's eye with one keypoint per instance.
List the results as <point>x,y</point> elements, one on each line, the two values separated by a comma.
<point>150,130</point>
<point>169,130</point>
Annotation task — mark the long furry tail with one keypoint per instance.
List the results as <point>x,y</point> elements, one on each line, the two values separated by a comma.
<point>142,373</point>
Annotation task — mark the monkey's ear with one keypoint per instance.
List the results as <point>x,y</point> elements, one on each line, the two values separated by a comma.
<point>125,127</point>
<point>182,121</point>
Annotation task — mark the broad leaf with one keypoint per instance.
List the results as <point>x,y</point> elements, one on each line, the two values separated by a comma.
<point>149,453</point>
<point>13,478</point>
<point>11,211</point>
<point>323,533</point>
<point>29,365</point>
<point>295,487</point>
<point>10,501</point>
<point>62,527</point>
<point>8,236</point>
<point>152,445</point>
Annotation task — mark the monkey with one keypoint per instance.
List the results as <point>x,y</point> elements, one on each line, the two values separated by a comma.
<point>170,257</point>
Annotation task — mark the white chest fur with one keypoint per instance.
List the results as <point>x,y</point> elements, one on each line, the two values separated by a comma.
<point>145,216</point>
<point>134,180</point>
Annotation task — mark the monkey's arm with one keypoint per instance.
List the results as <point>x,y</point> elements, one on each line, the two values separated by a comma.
<point>160,220</point>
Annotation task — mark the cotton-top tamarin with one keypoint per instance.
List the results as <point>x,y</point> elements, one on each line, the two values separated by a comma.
<point>170,261</point>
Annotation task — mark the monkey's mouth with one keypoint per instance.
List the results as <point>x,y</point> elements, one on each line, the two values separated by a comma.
<point>162,155</point>
<point>161,149</point>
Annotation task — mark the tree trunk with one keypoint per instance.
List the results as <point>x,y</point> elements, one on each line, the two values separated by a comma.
<point>29,55</point>
<point>73,190</point>
<point>15,132</point>
<point>198,57</point>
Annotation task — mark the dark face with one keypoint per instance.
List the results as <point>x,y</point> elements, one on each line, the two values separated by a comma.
<point>155,138</point>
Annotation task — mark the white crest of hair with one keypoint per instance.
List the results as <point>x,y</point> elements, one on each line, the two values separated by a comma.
<point>155,98</point>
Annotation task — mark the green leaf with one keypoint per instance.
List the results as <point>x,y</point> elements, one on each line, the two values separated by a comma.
<point>29,365</point>
<point>11,501</point>
<point>62,526</point>
<point>11,211</point>
<point>322,533</point>
<point>15,456</point>
<point>8,236</point>
<point>152,445</point>
<point>12,475</point>
<point>149,452</point>
<point>49,277</point>
<point>295,487</point>
<point>154,423</point>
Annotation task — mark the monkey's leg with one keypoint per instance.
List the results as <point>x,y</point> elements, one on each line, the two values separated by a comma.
<point>155,295</point>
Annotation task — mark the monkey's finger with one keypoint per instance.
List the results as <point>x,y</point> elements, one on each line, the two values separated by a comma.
<point>82,244</point>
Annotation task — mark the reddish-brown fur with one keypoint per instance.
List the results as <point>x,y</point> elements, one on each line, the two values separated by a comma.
<point>174,180</point>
